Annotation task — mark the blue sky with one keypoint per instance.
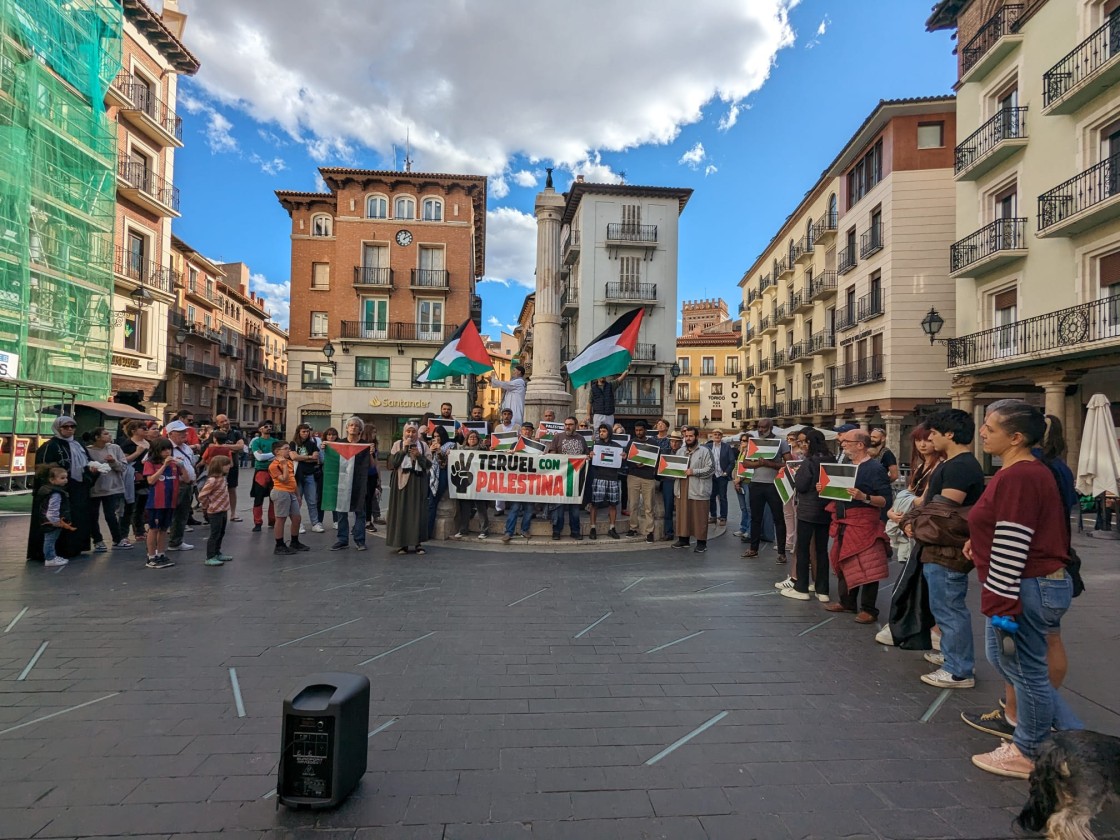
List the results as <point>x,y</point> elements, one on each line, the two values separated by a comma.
<point>745,107</point>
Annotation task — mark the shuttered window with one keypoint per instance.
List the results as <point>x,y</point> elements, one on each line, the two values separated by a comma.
<point>1109,267</point>
<point>1006,300</point>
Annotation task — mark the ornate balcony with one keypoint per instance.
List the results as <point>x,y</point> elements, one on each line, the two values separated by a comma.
<point>631,291</point>
<point>366,276</point>
<point>782,313</point>
<point>992,42</point>
<point>846,317</point>
<point>147,112</point>
<point>824,229</point>
<point>796,351</point>
<point>784,267</point>
<point>818,342</point>
<point>1082,202</point>
<point>821,404</point>
<point>1085,73</point>
<point>767,323</point>
<point>1077,331</point>
<point>799,301</point>
<point>571,248</point>
<point>139,270</point>
<point>991,247</point>
<point>991,144</point>
<point>136,182</point>
<point>645,352</point>
<point>192,367</point>
<point>764,283</point>
<point>569,298</point>
<point>626,232</point>
<point>430,279</point>
<point>803,250</point>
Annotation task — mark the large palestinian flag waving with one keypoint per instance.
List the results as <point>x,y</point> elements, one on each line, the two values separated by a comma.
<point>464,353</point>
<point>338,473</point>
<point>609,353</point>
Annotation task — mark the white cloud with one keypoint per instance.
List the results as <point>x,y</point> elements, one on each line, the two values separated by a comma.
<point>446,78</point>
<point>320,184</point>
<point>822,28</point>
<point>494,322</point>
<point>594,170</point>
<point>511,247</point>
<point>277,297</point>
<point>498,188</point>
<point>510,327</point>
<point>728,120</point>
<point>525,178</point>
<point>693,157</point>
<point>268,167</point>
<point>710,169</point>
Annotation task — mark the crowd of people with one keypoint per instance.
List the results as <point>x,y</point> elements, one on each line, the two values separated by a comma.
<point>942,520</point>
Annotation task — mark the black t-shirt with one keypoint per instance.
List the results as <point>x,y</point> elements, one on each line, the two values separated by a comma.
<point>128,448</point>
<point>306,468</point>
<point>888,460</point>
<point>962,473</point>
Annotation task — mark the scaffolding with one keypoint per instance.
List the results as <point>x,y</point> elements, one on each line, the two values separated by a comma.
<point>57,196</point>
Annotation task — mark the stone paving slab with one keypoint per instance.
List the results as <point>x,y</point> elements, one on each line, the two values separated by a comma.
<point>522,690</point>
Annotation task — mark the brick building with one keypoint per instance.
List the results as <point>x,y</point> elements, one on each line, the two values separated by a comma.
<point>384,269</point>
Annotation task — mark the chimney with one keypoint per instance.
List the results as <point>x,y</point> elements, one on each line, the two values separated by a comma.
<point>579,179</point>
<point>173,19</point>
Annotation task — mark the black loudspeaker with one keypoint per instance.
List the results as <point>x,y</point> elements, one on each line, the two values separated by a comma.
<point>324,740</point>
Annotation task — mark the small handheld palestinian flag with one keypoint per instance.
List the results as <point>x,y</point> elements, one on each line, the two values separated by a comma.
<point>463,354</point>
<point>609,353</point>
<point>643,454</point>
<point>744,472</point>
<point>547,429</point>
<point>606,455</point>
<point>622,441</point>
<point>588,436</point>
<point>763,450</point>
<point>339,469</point>
<point>480,426</point>
<point>500,441</point>
<point>836,479</point>
<point>449,426</point>
<point>783,483</point>
<point>672,466</point>
<point>525,444</point>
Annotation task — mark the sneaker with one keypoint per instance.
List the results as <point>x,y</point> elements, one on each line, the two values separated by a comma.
<point>884,636</point>
<point>187,529</point>
<point>56,561</point>
<point>781,559</point>
<point>943,679</point>
<point>225,558</point>
<point>122,544</point>
<point>822,597</point>
<point>524,537</point>
<point>577,537</point>
<point>183,546</point>
<point>649,537</point>
<point>296,545</point>
<point>812,587</point>
<point>318,528</point>
<point>483,536</point>
<point>160,562</point>
<point>994,723</point>
<point>790,592</point>
<point>613,534</point>
<point>302,529</point>
<point>256,529</point>
<point>701,548</point>
<point>592,535</point>
<point>339,546</point>
<point>458,535</point>
<point>1005,760</point>
<point>788,583</point>
<point>100,547</point>
<point>722,522</point>
<point>631,533</point>
<point>933,657</point>
<point>507,539</point>
<point>283,549</point>
<point>680,544</point>
<point>360,547</point>
<point>214,561</point>
<point>737,534</point>
<point>556,536</point>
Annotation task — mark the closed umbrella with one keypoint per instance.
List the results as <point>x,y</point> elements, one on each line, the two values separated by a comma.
<point>1099,464</point>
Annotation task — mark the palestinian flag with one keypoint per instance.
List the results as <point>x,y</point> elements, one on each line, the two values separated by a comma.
<point>610,353</point>
<point>783,483</point>
<point>339,472</point>
<point>643,454</point>
<point>835,481</point>
<point>465,353</point>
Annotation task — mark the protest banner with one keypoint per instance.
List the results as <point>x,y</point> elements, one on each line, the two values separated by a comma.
<point>529,445</point>
<point>672,466</point>
<point>500,441</point>
<point>606,455</point>
<point>643,454</point>
<point>517,476</point>
<point>836,479</point>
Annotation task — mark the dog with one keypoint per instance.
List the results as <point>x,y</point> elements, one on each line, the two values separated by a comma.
<point>1074,776</point>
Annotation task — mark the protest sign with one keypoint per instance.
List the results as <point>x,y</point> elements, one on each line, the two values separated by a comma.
<point>643,454</point>
<point>783,483</point>
<point>606,455</point>
<point>587,435</point>
<point>516,476</point>
<point>546,430</point>
<point>672,466</point>
<point>744,472</point>
<point>480,426</point>
<point>448,425</point>
<point>529,445</point>
<point>763,449</point>
<point>500,441</point>
<point>836,479</point>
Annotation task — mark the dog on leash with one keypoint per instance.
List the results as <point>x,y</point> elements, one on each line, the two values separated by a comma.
<point>1075,775</point>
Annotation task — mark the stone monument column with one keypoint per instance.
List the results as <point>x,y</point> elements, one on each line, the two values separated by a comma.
<point>546,386</point>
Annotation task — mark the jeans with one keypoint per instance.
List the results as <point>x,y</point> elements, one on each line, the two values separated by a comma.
<point>812,533</point>
<point>669,501</point>
<point>765,496</point>
<point>516,509</point>
<point>182,514</point>
<point>558,519</point>
<point>309,489</point>
<point>719,494</point>
<point>217,531</point>
<point>1044,601</point>
<point>947,592</point>
<point>342,522</point>
<point>49,539</point>
<point>109,505</point>
<point>744,509</point>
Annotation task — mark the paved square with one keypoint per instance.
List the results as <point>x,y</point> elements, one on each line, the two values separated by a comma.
<point>515,694</point>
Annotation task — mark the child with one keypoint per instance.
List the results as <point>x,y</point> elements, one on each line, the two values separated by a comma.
<point>162,472</point>
<point>284,498</point>
<point>214,498</point>
<point>52,505</point>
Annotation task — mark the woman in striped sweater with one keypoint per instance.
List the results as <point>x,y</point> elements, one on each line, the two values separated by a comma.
<point>1020,545</point>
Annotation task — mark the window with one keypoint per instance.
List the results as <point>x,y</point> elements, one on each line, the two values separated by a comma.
<point>188,393</point>
<point>1005,306</point>
<point>682,417</point>
<point>404,207</point>
<point>192,313</point>
<point>708,366</point>
<point>432,210</point>
<point>134,331</point>
<point>320,275</point>
<point>375,318</point>
<point>371,372</point>
<point>318,324</point>
<point>833,211</point>
<point>321,225</point>
<point>418,366</point>
<point>685,364</point>
<point>631,216</point>
<point>629,272</point>
<point>204,395</point>
<point>683,392</point>
<point>792,253</point>
<point>1109,313</point>
<point>429,320</point>
<point>717,415</point>
<point>866,173</point>
<point>316,375</point>
<point>931,135</point>
<point>717,389</point>
<point>731,366</point>
<point>377,207</point>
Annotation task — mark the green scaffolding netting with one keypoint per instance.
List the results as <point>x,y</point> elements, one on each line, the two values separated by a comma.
<point>57,195</point>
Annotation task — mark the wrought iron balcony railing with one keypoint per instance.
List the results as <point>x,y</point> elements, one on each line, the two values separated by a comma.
<point>822,284</point>
<point>1003,22</point>
<point>870,241</point>
<point>859,372</point>
<point>365,275</point>
<point>821,404</point>
<point>392,331</point>
<point>626,232</point>
<point>431,278</point>
<point>869,306</point>
<point>626,290</point>
<point>818,341</point>
<point>764,283</point>
<point>645,352</point>
<point>148,103</point>
<point>796,350</point>
<point>1007,124</point>
<point>825,225</point>
<point>135,267</point>
<point>1080,192</point>
<point>1066,329</point>
<point>846,259</point>
<point>137,175</point>
<point>846,317</point>
<point>1000,235</point>
<point>1083,62</point>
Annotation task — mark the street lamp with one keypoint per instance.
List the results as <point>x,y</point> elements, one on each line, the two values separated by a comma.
<point>140,297</point>
<point>932,324</point>
<point>328,351</point>
<point>674,372</point>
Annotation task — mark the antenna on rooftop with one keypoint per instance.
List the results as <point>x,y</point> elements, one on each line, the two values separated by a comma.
<point>407,151</point>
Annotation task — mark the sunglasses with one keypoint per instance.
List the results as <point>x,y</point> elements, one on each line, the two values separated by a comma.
<point>68,426</point>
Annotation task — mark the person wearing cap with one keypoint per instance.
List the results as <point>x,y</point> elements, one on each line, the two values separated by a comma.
<point>181,451</point>
<point>843,428</point>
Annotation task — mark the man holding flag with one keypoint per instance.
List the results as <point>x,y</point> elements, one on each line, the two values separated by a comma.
<point>514,397</point>
<point>608,354</point>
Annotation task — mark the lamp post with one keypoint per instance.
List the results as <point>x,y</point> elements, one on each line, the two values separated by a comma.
<point>328,351</point>
<point>932,324</point>
<point>140,297</point>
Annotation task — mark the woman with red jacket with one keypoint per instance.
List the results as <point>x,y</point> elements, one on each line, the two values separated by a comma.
<point>1019,541</point>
